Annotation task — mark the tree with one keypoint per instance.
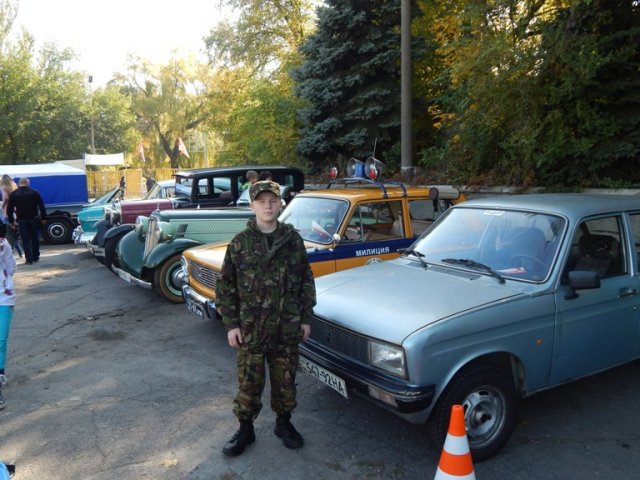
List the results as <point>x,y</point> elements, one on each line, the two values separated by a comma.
<point>41,105</point>
<point>260,123</point>
<point>8,13</point>
<point>590,122</point>
<point>539,92</point>
<point>265,36</point>
<point>255,111</point>
<point>350,79</point>
<point>169,101</point>
<point>113,119</point>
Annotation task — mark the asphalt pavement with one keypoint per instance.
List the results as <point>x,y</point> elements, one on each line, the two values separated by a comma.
<point>109,381</point>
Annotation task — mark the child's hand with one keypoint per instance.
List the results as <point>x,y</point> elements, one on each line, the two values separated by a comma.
<point>234,336</point>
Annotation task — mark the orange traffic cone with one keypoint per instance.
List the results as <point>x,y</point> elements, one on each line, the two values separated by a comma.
<point>455,461</point>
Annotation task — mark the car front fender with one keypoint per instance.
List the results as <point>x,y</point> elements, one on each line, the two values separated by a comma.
<point>165,250</point>
<point>131,253</point>
<point>101,228</point>
<point>119,230</point>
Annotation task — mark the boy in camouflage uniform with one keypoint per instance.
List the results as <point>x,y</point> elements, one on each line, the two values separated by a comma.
<point>265,294</point>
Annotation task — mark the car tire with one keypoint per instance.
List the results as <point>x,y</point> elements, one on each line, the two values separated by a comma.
<point>110,253</point>
<point>490,403</point>
<point>164,280</point>
<point>57,231</point>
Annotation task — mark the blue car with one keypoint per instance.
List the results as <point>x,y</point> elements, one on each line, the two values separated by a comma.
<point>499,299</point>
<point>95,212</point>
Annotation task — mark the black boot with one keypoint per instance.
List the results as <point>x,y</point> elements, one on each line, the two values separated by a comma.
<point>243,437</point>
<point>287,433</point>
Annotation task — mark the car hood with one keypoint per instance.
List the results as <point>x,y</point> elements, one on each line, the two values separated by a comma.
<point>96,211</point>
<point>390,300</point>
<point>223,213</point>
<point>211,255</point>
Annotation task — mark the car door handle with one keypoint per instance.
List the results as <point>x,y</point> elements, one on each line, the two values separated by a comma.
<point>627,292</point>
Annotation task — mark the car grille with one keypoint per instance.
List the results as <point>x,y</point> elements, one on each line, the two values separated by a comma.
<point>339,339</point>
<point>204,275</point>
<point>151,239</point>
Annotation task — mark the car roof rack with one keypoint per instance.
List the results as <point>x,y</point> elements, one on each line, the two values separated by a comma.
<point>366,181</point>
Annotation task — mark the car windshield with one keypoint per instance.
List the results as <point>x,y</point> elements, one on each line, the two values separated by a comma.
<point>317,219</point>
<point>157,192</point>
<point>106,198</point>
<point>505,243</point>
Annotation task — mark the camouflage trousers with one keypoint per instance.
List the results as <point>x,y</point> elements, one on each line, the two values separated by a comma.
<point>282,361</point>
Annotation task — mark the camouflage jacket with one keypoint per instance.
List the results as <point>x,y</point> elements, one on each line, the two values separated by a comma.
<point>266,290</point>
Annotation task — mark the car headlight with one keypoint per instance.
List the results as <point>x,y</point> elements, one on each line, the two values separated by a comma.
<point>162,236</point>
<point>387,357</point>
<point>141,225</point>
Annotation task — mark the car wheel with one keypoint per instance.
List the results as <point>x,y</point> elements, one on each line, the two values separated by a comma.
<point>165,280</point>
<point>110,253</point>
<point>490,403</point>
<point>57,231</point>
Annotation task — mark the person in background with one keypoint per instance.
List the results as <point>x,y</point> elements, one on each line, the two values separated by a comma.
<point>123,187</point>
<point>265,294</point>
<point>24,203</point>
<point>265,175</point>
<point>7,302</point>
<point>7,185</point>
<point>252,177</point>
<point>150,182</point>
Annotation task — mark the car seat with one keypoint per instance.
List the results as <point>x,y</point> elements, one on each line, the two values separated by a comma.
<point>598,253</point>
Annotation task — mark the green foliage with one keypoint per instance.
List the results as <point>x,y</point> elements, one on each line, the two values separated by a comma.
<point>350,79</point>
<point>262,125</point>
<point>114,121</point>
<point>255,111</point>
<point>45,110</point>
<point>168,101</point>
<point>534,92</point>
<point>265,37</point>
<point>42,115</point>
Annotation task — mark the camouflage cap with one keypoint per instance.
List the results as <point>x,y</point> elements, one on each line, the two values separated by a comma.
<point>264,186</point>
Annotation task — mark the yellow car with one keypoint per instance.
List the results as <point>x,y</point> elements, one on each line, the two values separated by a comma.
<point>342,228</point>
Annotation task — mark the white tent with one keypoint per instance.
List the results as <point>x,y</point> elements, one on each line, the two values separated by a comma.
<point>40,170</point>
<point>110,159</point>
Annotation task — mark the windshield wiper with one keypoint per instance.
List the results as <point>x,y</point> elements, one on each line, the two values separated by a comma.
<point>465,262</point>
<point>418,255</point>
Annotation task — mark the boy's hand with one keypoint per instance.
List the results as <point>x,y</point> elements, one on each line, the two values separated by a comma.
<point>234,337</point>
<point>306,331</point>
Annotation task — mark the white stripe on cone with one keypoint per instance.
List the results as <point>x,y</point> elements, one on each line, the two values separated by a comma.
<point>440,475</point>
<point>456,445</point>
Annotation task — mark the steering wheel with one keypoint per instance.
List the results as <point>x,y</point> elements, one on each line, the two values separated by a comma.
<point>330,228</point>
<point>531,258</point>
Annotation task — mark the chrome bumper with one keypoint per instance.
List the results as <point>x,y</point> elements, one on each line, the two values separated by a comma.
<point>80,237</point>
<point>76,235</point>
<point>127,277</point>
<point>196,303</point>
<point>95,249</point>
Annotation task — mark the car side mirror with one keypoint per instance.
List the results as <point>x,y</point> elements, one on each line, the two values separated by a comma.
<point>336,238</point>
<point>581,280</point>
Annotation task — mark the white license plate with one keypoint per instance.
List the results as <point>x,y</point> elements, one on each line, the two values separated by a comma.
<point>194,308</point>
<point>326,377</point>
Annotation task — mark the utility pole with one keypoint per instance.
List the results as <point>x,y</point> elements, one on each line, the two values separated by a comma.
<point>93,141</point>
<point>406,128</point>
